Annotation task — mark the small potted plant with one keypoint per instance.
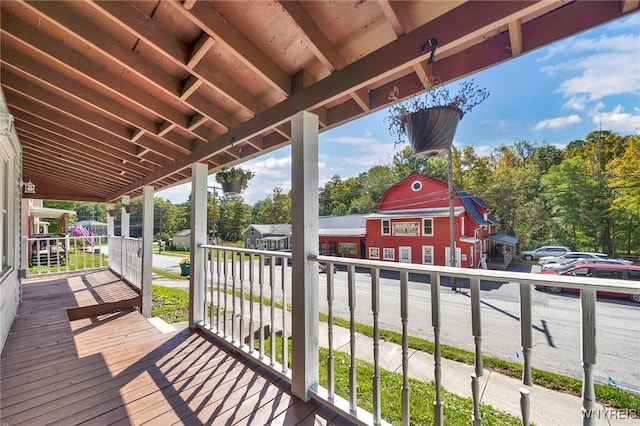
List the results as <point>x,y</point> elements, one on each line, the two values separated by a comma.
<point>429,121</point>
<point>233,179</point>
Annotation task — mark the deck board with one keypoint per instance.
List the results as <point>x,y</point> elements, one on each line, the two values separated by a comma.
<point>118,369</point>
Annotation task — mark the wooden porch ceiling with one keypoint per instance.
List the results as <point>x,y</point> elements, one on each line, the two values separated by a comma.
<point>109,96</point>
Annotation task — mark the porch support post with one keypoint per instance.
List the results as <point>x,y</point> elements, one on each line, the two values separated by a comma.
<point>304,283</point>
<point>110,222</point>
<point>198,236</point>
<point>147,249</point>
<point>124,217</point>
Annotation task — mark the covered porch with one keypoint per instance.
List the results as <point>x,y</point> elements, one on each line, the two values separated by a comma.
<point>109,101</point>
<point>77,354</point>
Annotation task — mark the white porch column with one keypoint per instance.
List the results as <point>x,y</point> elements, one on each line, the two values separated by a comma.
<point>124,217</point>
<point>110,222</point>
<point>147,249</point>
<point>198,237</point>
<point>304,201</point>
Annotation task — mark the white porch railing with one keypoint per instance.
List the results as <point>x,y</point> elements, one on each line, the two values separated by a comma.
<point>52,255</point>
<point>238,282</point>
<point>125,256</point>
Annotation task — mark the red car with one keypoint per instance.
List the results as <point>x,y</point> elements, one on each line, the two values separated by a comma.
<point>616,272</point>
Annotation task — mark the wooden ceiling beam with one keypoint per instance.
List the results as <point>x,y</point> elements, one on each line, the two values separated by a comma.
<point>90,73</point>
<point>515,37</point>
<point>62,145</point>
<point>209,19</point>
<point>315,40</point>
<point>72,124</point>
<point>146,29</point>
<point>380,64</point>
<point>42,75</point>
<point>128,59</point>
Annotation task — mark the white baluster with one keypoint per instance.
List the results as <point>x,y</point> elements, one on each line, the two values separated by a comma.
<point>353,385</point>
<point>525,332</point>
<point>438,417</point>
<point>588,326</point>
<point>375,308</point>
<point>330,359</point>
<point>404,314</point>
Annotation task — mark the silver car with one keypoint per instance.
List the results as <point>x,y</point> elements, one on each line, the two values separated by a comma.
<point>568,257</point>
<point>544,251</point>
<point>561,267</point>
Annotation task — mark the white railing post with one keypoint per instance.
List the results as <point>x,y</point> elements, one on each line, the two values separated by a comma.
<point>476,326</point>
<point>588,340</point>
<point>375,310</point>
<point>147,249</point>
<point>198,238</point>
<point>525,331</point>
<point>353,376</point>
<point>304,283</point>
<point>438,417</point>
<point>404,314</point>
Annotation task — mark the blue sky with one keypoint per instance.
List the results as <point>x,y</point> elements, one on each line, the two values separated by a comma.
<point>553,95</point>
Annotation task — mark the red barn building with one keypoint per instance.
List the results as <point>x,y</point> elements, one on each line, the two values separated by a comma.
<point>411,224</point>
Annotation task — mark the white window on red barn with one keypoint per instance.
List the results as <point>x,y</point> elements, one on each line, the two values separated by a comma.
<point>427,227</point>
<point>386,227</point>
<point>427,255</point>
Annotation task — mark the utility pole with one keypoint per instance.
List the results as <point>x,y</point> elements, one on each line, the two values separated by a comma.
<point>452,231</point>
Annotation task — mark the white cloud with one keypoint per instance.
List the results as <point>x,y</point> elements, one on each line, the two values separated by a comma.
<point>616,120</point>
<point>632,22</point>
<point>578,103</point>
<point>606,66</point>
<point>557,123</point>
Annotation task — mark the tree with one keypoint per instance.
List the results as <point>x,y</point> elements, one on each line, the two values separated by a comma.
<point>276,208</point>
<point>233,216</point>
<point>625,187</point>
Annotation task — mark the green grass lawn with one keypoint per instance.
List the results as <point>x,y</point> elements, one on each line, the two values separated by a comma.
<point>457,410</point>
<point>170,304</point>
<point>71,262</point>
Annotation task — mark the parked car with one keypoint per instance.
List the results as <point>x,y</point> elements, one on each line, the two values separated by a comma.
<point>568,257</point>
<point>323,268</point>
<point>566,266</point>
<point>544,251</point>
<point>596,270</point>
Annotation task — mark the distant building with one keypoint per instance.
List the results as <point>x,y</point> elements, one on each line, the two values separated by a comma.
<point>268,237</point>
<point>95,227</point>
<point>182,240</point>
<point>342,236</point>
<point>412,225</point>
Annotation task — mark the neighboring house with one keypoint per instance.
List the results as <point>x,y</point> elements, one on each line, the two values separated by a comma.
<point>268,237</point>
<point>182,240</point>
<point>412,225</point>
<point>96,228</point>
<point>342,236</point>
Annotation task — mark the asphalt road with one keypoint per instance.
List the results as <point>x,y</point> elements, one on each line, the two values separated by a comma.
<point>556,321</point>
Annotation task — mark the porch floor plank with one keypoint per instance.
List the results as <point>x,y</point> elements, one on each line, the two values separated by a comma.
<point>118,369</point>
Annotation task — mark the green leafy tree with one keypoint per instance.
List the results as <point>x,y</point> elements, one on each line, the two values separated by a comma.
<point>625,187</point>
<point>276,208</point>
<point>233,216</point>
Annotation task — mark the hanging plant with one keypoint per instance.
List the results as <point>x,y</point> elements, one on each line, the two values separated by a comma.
<point>233,179</point>
<point>430,120</point>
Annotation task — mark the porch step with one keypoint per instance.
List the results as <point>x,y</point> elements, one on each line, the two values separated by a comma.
<point>104,308</point>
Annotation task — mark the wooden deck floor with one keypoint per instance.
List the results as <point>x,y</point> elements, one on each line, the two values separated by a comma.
<point>117,368</point>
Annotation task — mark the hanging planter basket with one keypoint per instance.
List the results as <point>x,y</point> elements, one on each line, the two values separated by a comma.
<point>431,130</point>
<point>233,187</point>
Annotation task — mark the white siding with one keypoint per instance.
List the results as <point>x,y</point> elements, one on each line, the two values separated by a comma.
<point>10,200</point>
